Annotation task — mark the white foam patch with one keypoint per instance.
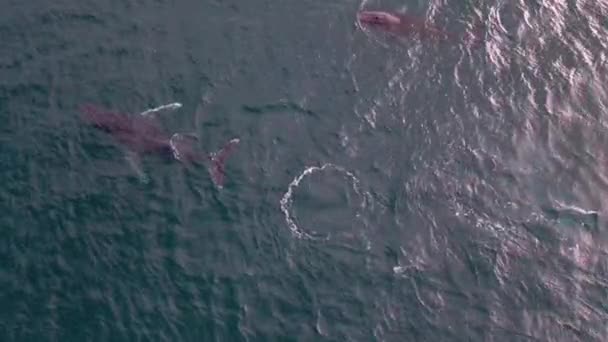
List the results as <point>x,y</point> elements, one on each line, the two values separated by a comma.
<point>287,201</point>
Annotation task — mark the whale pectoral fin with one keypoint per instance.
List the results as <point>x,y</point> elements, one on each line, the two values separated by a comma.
<point>192,137</point>
<point>134,161</point>
<point>174,144</point>
<point>170,107</point>
<point>181,145</point>
<point>218,159</point>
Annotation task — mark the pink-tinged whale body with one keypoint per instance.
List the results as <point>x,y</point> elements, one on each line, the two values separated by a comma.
<point>407,25</point>
<point>142,134</point>
<point>139,134</point>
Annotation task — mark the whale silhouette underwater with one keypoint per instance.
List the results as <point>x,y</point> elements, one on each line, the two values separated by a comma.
<point>408,25</point>
<point>142,134</point>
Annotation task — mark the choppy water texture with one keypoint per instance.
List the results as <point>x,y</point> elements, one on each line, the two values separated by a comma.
<point>384,189</point>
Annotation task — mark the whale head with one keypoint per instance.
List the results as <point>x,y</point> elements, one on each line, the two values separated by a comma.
<point>105,120</point>
<point>378,19</point>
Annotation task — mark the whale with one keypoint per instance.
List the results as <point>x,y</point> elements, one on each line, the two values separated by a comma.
<point>411,26</point>
<point>141,134</point>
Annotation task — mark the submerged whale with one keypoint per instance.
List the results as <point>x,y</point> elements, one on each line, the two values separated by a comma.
<point>407,25</point>
<point>142,134</point>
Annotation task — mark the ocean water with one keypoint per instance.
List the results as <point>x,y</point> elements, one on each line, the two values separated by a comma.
<point>385,188</point>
